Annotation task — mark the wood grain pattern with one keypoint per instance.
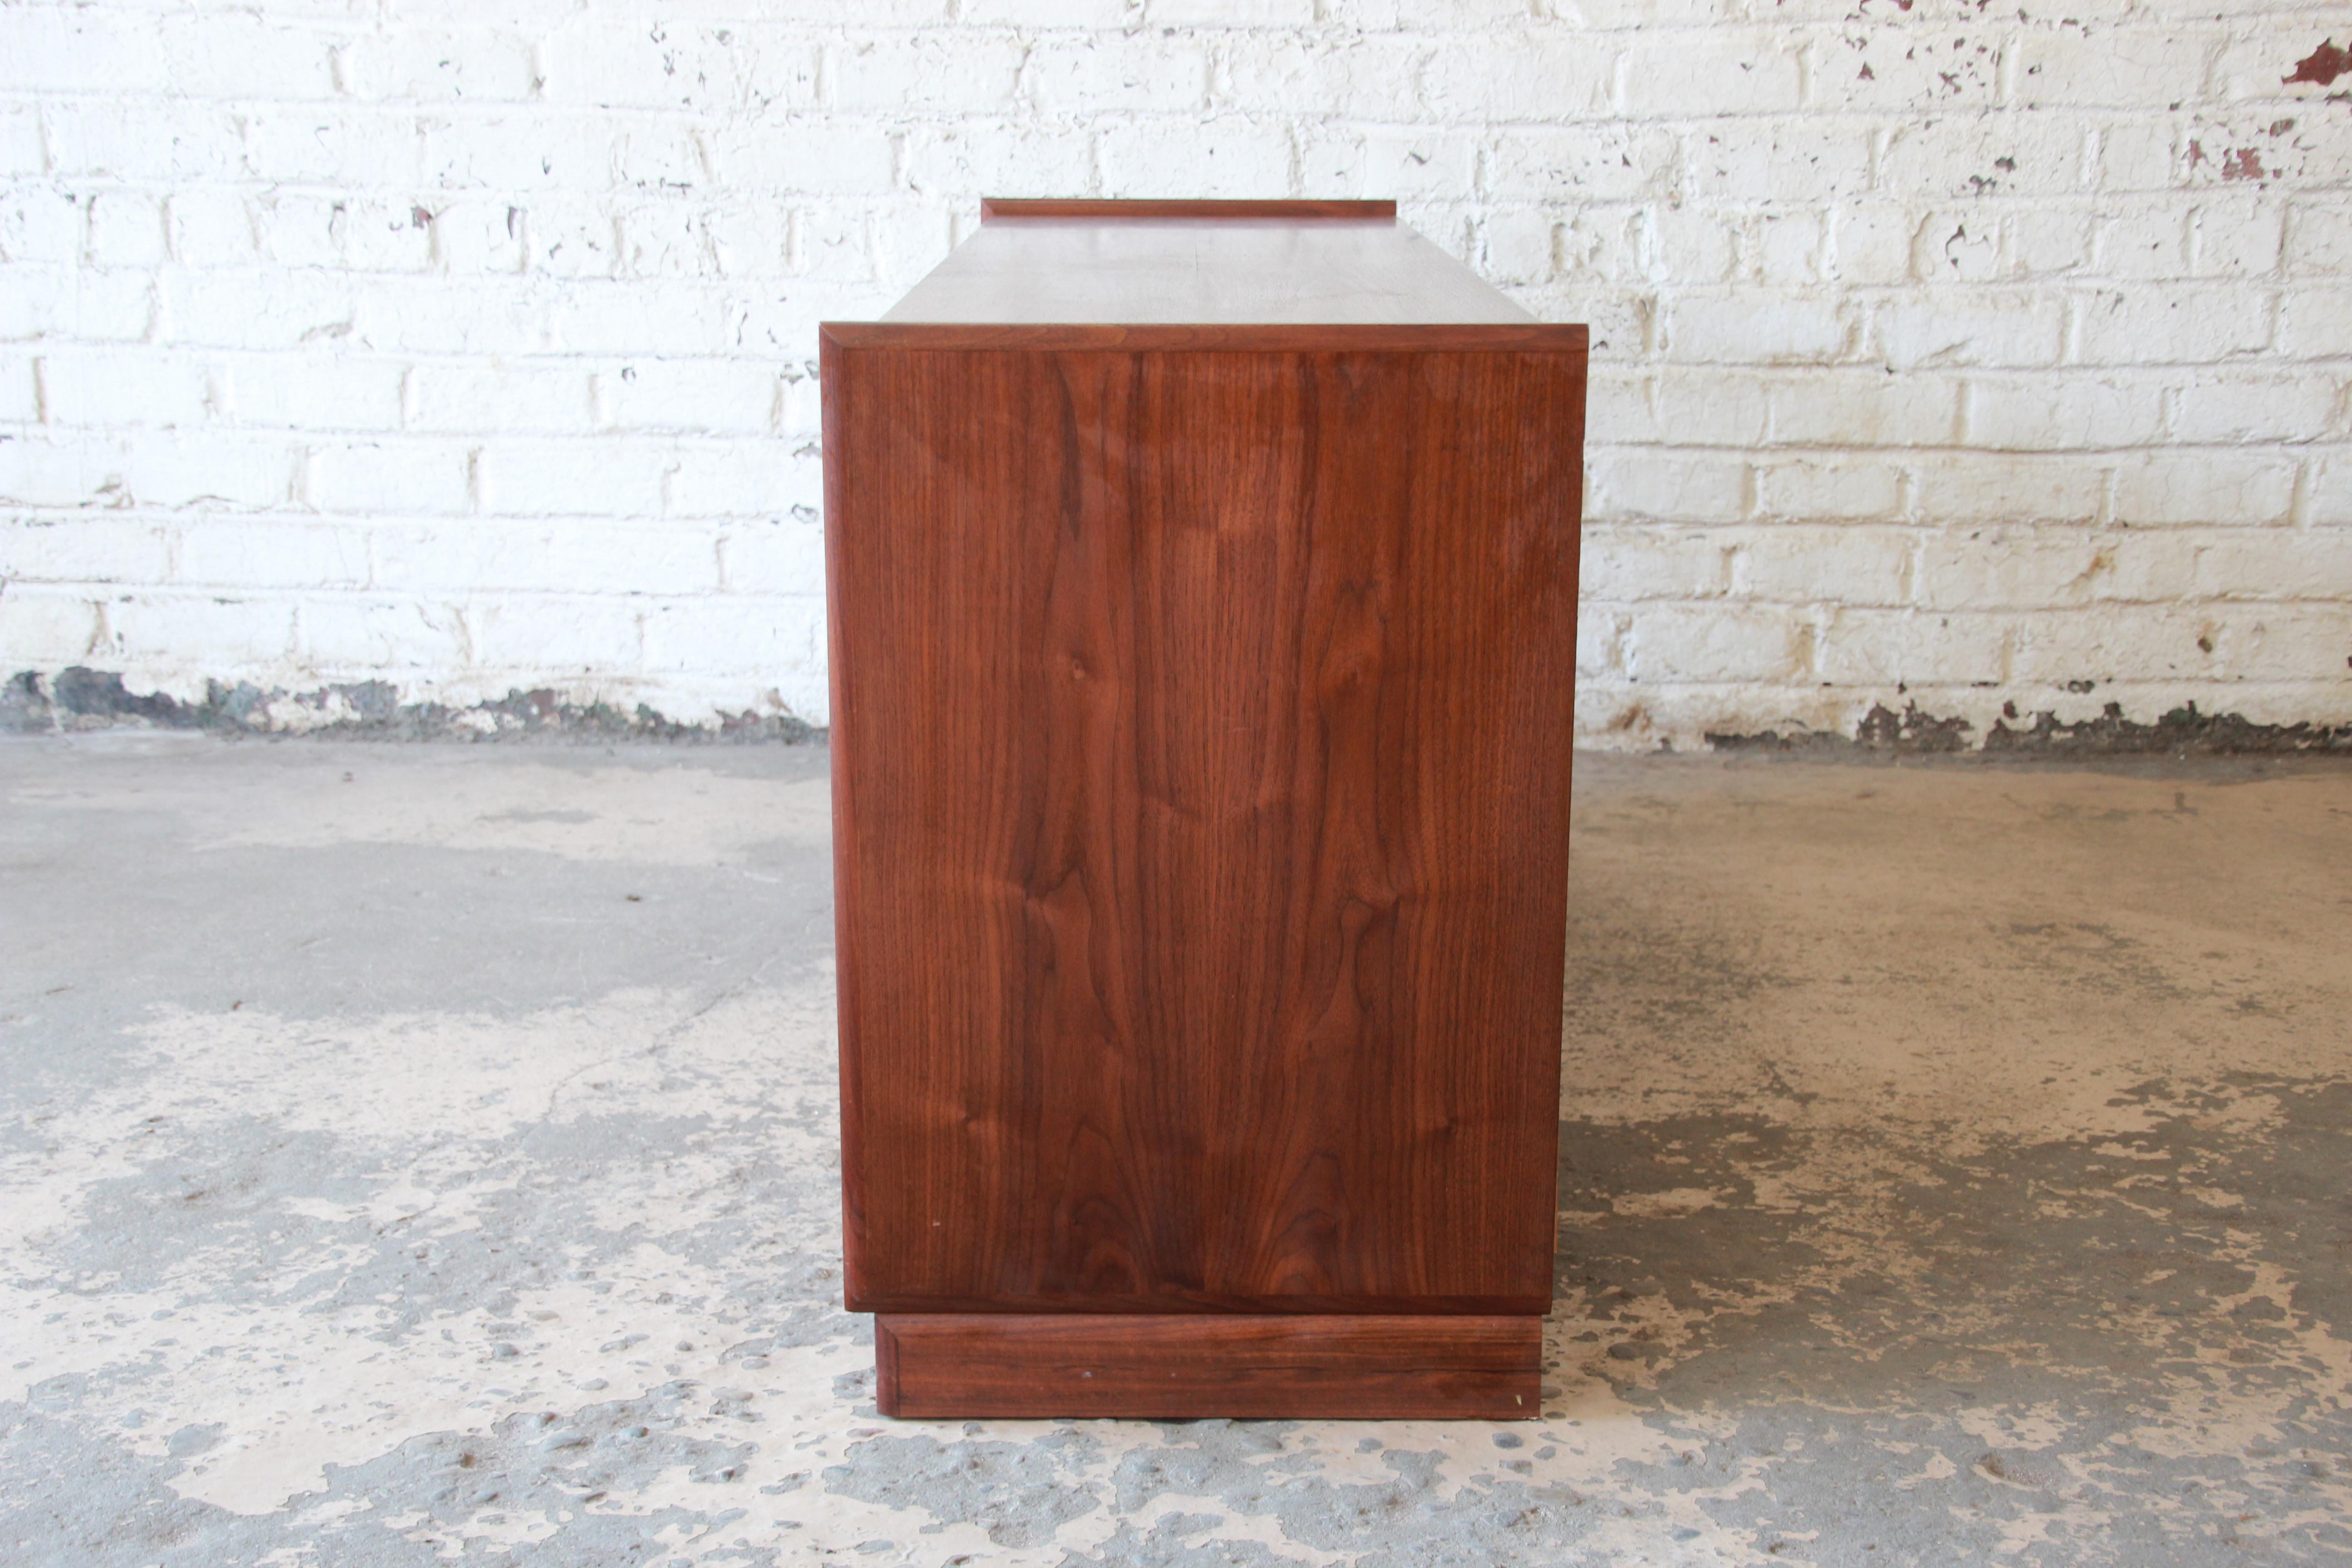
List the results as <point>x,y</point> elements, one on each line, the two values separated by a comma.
<point>940,337</point>
<point>946,1366</point>
<point>1201,758</point>
<point>1068,207</point>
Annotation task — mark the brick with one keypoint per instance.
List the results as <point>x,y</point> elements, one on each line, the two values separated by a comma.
<point>760,480</point>
<point>2115,68</point>
<point>2283,642</point>
<point>1681,407</point>
<point>1789,161</point>
<point>691,397</point>
<point>2051,413</point>
<point>2244,238</point>
<point>1098,73</point>
<point>2128,642</point>
<point>2318,239</point>
<point>54,50</point>
<point>1600,643</point>
<point>1519,73</point>
<point>1520,246</point>
<point>1729,70</point>
<point>1878,647</point>
<point>1713,643</point>
<point>48,629</point>
<point>2148,239</point>
<point>1624,565</point>
<point>1226,156</point>
<point>41,225</point>
<point>193,630</point>
<point>1951,487</point>
<point>99,307</point>
<point>211,227</point>
<point>2273,564</point>
<point>525,397</point>
<point>1963,247</point>
<point>2315,323</point>
<point>1811,490</point>
<point>124,228</point>
<point>102,388</point>
<point>923,74</point>
<point>1230,13</point>
<point>69,548</point>
<point>2139,155</point>
<point>21,151</point>
<point>1408,163</point>
<point>1748,329</point>
<point>137,141</point>
<point>1792,249</point>
<point>547,632</point>
<point>2044,242</point>
<point>1950,328</point>
<point>247,552</point>
<point>1903,373</point>
<point>954,164</point>
<point>2234,407</point>
<point>477,64</point>
<point>2013,568</point>
<point>1590,163</point>
<point>571,237</point>
<point>1863,409</point>
<point>1805,565</point>
<point>480,234</point>
<point>20,389</point>
<point>1685,245</point>
<point>2172,325</point>
<point>1915,68</point>
<point>574,479</point>
<point>1872,242</point>
<point>571,557</point>
<point>1997,155</point>
<point>706,67</point>
<point>782,556</point>
<point>2204,487</point>
<point>749,634</point>
<point>227,55</point>
<point>1669,487</point>
<point>800,155</point>
<point>341,146</point>
<point>372,478</point>
<point>364,634</point>
<point>2147,565</point>
<point>257,309</point>
<point>1040,15</point>
<point>2331,487</point>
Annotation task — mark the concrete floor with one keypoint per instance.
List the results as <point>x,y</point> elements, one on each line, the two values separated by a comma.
<point>419,1154</point>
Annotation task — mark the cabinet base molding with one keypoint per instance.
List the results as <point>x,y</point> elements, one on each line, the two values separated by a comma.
<point>950,1365</point>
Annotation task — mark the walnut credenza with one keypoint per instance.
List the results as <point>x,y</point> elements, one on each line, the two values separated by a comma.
<point>1202,595</point>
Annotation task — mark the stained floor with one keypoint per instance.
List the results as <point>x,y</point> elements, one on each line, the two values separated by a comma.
<point>414,1154</point>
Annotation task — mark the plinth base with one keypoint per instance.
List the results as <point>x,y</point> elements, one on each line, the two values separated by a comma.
<point>947,1366</point>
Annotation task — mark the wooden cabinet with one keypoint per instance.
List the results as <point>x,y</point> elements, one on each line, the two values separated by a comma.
<point>1202,591</point>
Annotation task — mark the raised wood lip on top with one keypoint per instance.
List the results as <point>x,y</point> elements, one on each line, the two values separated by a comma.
<point>1239,337</point>
<point>992,207</point>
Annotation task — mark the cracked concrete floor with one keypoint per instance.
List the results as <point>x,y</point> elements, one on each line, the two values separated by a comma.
<point>419,1154</point>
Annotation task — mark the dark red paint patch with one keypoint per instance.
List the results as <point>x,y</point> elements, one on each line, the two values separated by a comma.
<point>2322,65</point>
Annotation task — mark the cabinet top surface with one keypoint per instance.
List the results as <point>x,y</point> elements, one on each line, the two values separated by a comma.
<point>1121,270</point>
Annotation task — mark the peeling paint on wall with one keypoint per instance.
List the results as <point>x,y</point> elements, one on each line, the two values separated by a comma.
<point>83,698</point>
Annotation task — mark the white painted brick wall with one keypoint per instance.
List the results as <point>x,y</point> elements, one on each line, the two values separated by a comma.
<point>1940,356</point>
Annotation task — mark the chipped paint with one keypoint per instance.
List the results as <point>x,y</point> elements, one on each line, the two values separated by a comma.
<point>80,699</point>
<point>415,1155</point>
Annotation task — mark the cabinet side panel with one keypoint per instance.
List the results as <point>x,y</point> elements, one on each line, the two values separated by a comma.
<point>1201,758</point>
